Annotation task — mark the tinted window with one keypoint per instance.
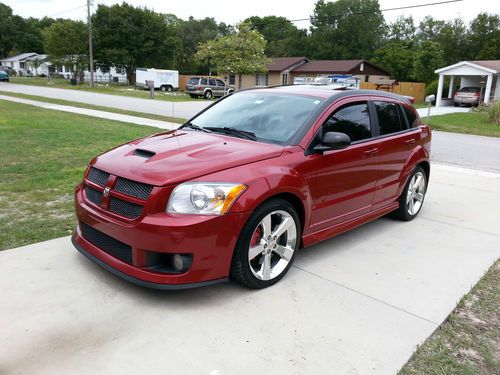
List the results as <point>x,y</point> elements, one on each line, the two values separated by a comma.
<point>192,81</point>
<point>211,82</point>
<point>411,116</point>
<point>352,119</point>
<point>204,81</point>
<point>388,118</point>
<point>220,83</point>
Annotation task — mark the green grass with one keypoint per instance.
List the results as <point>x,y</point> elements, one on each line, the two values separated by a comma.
<point>44,154</point>
<point>467,123</point>
<point>468,342</point>
<point>113,89</point>
<point>96,107</point>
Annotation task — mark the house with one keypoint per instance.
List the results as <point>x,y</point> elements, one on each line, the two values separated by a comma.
<point>18,62</point>
<point>364,70</point>
<point>482,73</point>
<point>278,73</point>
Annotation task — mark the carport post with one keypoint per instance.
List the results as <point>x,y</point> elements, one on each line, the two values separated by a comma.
<point>450,90</point>
<point>440,90</point>
<point>488,89</point>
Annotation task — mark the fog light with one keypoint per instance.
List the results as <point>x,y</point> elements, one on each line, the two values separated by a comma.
<point>179,263</point>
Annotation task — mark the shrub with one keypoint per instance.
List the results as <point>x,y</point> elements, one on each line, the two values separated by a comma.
<point>494,112</point>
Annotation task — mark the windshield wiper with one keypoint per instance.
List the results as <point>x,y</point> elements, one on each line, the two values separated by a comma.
<point>194,127</point>
<point>233,131</point>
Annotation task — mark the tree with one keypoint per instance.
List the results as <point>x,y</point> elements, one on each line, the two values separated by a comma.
<point>396,57</point>
<point>238,53</point>
<point>128,37</point>
<point>8,29</point>
<point>428,58</point>
<point>346,29</point>
<point>282,36</point>
<point>484,37</point>
<point>193,32</point>
<point>66,44</point>
<point>403,30</point>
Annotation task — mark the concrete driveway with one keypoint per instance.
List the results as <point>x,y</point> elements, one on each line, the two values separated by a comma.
<point>356,304</point>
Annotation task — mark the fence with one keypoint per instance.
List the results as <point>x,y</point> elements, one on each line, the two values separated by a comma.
<point>415,89</point>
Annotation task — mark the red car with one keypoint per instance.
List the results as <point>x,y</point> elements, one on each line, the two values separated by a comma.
<point>237,190</point>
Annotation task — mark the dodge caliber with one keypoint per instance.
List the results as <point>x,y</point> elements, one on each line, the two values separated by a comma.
<point>237,190</point>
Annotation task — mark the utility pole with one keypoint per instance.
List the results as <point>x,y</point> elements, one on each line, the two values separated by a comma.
<point>91,56</point>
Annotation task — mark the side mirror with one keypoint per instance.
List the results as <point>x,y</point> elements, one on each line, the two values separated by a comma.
<point>333,141</point>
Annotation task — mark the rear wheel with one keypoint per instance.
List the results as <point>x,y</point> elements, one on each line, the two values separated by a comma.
<point>267,245</point>
<point>412,197</point>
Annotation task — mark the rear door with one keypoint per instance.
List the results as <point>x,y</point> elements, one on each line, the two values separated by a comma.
<point>212,83</point>
<point>397,142</point>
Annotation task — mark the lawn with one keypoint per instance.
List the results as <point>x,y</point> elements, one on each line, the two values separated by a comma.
<point>44,154</point>
<point>468,342</point>
<point>96,107</point>
<point>113,89</point>
<point>468,123</point>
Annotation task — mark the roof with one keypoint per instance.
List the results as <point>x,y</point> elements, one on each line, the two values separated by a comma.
<point>491,64</point>
<point>387,82</point>
<point>22,56</point>
<point>332,66</point>
<point>278,64</point>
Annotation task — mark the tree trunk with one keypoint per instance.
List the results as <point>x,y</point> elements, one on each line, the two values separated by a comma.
<point>239,81</point>
<point>131,75</point>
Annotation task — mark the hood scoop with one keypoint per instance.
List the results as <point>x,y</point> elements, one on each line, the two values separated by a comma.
<point>144,153</point>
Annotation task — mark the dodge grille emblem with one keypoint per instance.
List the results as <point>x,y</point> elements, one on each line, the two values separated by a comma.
<point>106,191</point>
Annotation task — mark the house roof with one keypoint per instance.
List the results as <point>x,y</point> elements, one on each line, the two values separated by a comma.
<point>491,64</point>
<point>278,64</point>
<point>21,57</point>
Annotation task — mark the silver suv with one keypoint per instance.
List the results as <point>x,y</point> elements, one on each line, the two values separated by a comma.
<point>207,87</point>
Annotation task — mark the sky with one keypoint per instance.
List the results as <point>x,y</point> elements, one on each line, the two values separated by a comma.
<point>234,11</point>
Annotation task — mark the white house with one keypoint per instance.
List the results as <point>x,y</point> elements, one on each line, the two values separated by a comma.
<point>18,62</point>
<point>484,73</point>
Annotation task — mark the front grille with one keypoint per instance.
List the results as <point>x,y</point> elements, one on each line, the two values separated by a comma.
<point>124,208</point>
<point>133,188</point>
<point>93,195</point>
<point>106,243</point>
<point>98,177</point>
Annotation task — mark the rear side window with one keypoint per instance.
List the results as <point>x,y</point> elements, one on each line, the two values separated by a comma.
<point>388,118</point>
<point>411,116</point>
<point>352,119</point>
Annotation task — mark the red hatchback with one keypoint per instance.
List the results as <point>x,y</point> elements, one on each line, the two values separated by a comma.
<point>237,190</point>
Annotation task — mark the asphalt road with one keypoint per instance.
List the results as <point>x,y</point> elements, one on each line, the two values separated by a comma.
<point>359,303</point>
<point>449,148</point>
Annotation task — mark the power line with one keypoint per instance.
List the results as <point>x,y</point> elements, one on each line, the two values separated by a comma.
<point>387,9</point>
<point>65,11</point>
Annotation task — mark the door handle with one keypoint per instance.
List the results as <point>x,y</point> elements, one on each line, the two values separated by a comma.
<point>410,141</point>
<point>371,151</point>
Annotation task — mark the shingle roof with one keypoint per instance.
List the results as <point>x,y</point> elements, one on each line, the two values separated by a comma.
<point>278,64</point>
<point>328,66</point>
<point>491,64</point>
<point>20,57</point>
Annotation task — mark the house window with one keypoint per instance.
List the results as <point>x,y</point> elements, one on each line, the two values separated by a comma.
<point>261,79</point>
<point>284,80</point>
<point>21,64</point>
<point>232,79</point>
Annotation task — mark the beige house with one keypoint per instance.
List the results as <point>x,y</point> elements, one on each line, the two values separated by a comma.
<point>364,70</point>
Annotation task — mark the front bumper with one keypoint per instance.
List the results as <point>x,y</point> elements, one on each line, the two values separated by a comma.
<point>210,240</point>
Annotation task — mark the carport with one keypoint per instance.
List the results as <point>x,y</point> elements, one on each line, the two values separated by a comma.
<point>482,74</point>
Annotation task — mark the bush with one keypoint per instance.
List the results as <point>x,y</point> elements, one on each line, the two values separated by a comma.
<point>432,88</point>
<point>494,112</point>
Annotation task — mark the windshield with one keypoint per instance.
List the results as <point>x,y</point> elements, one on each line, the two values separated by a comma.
<point>271,117</point>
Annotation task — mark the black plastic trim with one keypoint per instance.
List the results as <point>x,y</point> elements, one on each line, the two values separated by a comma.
<point>144,283</point>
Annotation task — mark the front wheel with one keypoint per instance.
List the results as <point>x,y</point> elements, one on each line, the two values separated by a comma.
<point>412,197</point>
<point>208,94</point>
<point>267,245</point>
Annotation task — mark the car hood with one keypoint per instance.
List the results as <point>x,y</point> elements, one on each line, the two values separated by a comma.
<point>177,156</point>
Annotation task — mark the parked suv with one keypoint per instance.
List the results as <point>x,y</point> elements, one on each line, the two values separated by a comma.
<point>467,95</point>
<point>238,189</point>
<point>207,87</point>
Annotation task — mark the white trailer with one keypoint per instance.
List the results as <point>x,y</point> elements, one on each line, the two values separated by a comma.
<point>165,80</point>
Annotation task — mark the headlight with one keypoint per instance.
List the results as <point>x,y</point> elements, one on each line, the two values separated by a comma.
<point>204,198</point>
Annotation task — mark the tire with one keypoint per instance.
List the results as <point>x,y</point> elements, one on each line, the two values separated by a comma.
<point>170,88</point>
<point>272,256</point>
<point>193,96</point>
<point>412,197</point>
<point>456,104</point>
<point>163,88</point>
<point>208,94</point>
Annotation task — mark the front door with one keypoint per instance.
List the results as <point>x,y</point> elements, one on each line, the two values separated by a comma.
<point>343,184</point>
